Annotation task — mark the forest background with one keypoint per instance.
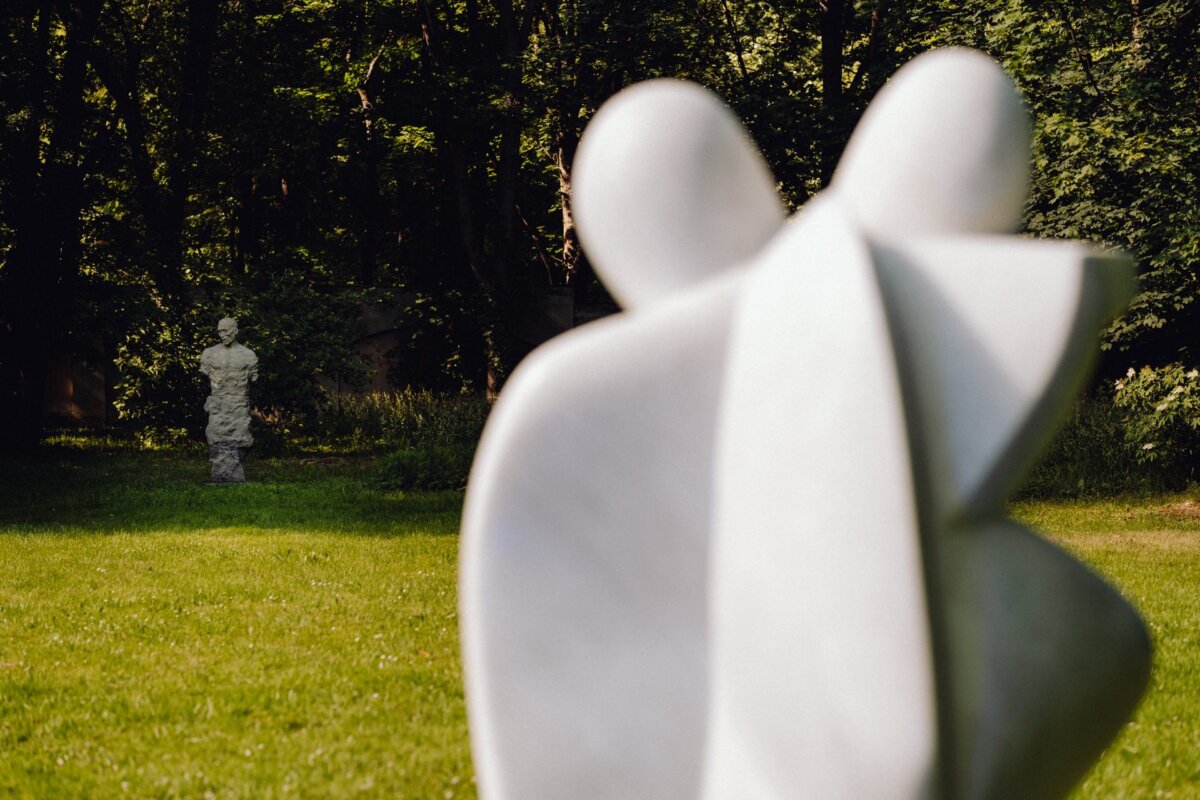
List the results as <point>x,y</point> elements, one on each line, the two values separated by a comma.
<point>167,162</point>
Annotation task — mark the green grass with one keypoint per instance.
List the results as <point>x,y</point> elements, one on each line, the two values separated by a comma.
<point>1150,549</point>
<point>291,637</point>
<point>296,636</point>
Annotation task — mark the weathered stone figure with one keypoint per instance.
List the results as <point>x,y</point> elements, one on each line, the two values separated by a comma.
<point>230,367</point>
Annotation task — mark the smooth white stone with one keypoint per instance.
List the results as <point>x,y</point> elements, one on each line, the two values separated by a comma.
<point>836,409</point>
<point>823,679</point>
<point>584,559</point>
<point>996,334</point>
<point>944,147</point>
<point>667,165</point>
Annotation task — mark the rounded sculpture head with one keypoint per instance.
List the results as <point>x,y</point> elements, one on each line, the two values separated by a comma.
<point>943,148</point>
<point>669,190</point>
<point>227,330</point>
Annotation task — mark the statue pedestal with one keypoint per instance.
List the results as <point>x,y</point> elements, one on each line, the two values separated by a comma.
<point>226,462</point>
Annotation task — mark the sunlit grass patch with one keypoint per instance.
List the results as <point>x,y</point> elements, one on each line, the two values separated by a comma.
<point>1148,547</point>
<point>294,637</point>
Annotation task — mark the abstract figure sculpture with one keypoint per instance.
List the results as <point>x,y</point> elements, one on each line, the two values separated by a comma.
<point>747,539</point>
<point>230,366</point>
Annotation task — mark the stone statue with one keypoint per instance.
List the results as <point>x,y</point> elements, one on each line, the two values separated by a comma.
<point>230,367</point>
<point>747,539</point>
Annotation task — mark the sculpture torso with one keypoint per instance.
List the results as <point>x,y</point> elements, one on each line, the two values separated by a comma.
<point>230,369</point>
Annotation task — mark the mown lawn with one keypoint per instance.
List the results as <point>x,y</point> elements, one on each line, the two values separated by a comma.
<point>292,637</point>
<point>297,637</point>
<point>1150,549</point>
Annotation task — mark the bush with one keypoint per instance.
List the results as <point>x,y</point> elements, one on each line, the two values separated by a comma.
<point>1091,456</point>
<point>1161,413</point>
<point>405,420</point>
<point>430,468</point>
<point>432,436</point>
<point>297,326</point>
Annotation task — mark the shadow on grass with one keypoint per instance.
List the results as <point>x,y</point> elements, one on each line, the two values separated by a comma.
<point>72,492</point>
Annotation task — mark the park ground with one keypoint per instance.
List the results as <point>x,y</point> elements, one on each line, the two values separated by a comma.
<point>296,636</point>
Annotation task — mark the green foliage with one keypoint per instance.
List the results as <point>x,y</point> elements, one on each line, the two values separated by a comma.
<point>433,436</point>
<point>1090,457</point>
<point>1113,87</point>
<point>161,391</point>
<point>413,419</point>
<point>427,468</point>
<point>298,327</point>
<point>432,353</point>
<point>162,164</point>
<point>1161,413</point>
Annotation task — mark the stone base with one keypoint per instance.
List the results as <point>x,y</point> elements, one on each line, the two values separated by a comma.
<point>226,462</point>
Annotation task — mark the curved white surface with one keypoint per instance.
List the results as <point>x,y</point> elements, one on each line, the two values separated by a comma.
<point>943,148</point>
<point>823,680</point>
<point>669,191</point>
<point>989,358</point>
<point>747,540</point>
<point>585,558</point>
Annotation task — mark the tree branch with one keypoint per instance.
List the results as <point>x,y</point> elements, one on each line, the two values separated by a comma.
<point>868,59</point>
<point>734,38</point>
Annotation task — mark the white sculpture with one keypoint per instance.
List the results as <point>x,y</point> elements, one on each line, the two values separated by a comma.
<point>230,367</point>
<point>747,539</point>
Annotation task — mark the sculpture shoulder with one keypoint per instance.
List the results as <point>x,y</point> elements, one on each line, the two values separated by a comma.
<point>245,353</point>
<point>618,359</point>
<point>210,354</point>
<point>241,355</point>
<point>999,331</point>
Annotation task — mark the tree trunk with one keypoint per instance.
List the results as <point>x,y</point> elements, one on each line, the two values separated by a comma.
<point>39,284</point>
<point>576,268</point>
<point>833,35</point>
<point>735,39</point>
<point>366,191</point>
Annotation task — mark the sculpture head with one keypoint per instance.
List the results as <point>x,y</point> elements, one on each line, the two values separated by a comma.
<point>227,331</point>
<point>949,128</point>
<point>670,191</point>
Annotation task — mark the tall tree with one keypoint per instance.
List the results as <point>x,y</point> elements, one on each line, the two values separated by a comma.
<point>44,198</point>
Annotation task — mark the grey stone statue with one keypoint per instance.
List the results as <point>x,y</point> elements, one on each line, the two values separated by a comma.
<point>230,367</point>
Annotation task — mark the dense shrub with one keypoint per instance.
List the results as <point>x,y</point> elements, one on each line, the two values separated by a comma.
<point>1160,410</point>
<point>434,467</point>
<point>412,419</point>
<point>295,325</point>
<point>432,437</point>
<point>1088,456</point>
<point>1093,455</point>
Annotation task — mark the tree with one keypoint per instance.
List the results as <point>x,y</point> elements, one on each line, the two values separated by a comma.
<point>43,196</point>
<point>165,162</point>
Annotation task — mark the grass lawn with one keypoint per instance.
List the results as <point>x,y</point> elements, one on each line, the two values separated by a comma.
<point>291,637</point>
<point>1150,549</point>
<point>296,636</point>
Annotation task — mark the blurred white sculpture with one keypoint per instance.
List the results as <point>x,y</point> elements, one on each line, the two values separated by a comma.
<point>747,539</point>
